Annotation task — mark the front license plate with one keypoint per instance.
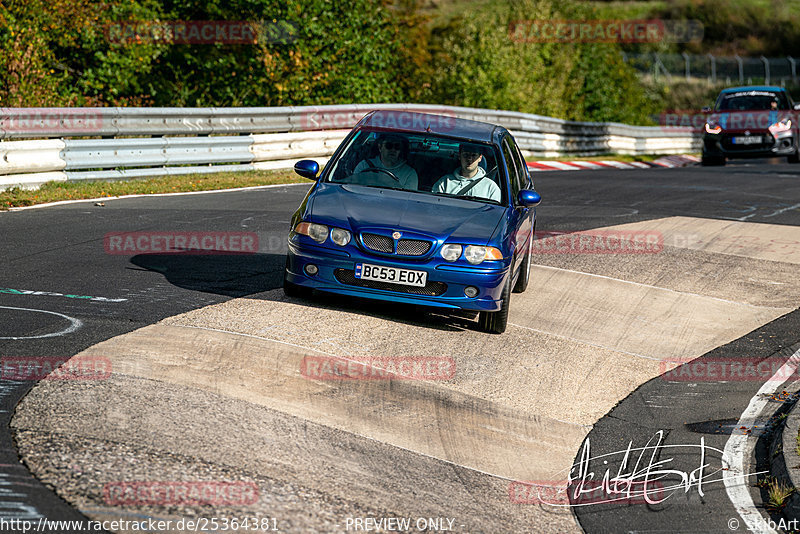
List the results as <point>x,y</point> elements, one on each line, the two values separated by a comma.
<point>405,277</point>
<point>752,140</point>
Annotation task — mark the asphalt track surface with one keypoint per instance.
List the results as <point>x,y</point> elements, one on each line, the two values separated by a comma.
<point>60,250</point>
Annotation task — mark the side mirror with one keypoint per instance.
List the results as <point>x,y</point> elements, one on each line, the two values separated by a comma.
<point>529,198</point>
<point>706,109</point>
<point>307,168</point>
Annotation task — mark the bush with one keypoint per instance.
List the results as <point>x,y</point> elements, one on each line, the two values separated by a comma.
<point>477,63</point>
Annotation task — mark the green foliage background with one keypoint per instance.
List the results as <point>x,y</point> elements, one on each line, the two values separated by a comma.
<point>57,53</point>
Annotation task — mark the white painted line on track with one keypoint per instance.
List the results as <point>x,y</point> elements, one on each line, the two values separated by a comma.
<point>617,164</point>
<point>559,165</point>
<point>586,164</point>
<point>74,323</point>
<point>102,199</point>
<point>741,446</point>
<point>778,212</point>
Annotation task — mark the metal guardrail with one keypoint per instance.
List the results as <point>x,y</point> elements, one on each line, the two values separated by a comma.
<point>103,143</point>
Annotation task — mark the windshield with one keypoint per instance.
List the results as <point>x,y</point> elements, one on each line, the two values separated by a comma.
<point>424,163</point>
<point>751,100</point>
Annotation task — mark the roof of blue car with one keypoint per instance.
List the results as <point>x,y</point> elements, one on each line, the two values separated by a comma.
<point>410,121</point>
<point>773,88</point>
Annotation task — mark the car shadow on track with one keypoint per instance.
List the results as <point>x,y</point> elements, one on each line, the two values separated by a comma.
<point>258,275</point>
<point>450,321</point>
<point>232,275</point>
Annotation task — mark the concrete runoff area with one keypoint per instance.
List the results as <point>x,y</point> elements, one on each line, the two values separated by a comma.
<point>218,393</point>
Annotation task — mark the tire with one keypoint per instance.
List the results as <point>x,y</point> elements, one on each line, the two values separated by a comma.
<point>293,290</point>
<point>794,158</point>
<point>525,271</point>
<point>496,322</point>
<point>712,161</point>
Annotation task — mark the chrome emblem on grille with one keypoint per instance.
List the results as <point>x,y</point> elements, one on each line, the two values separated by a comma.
<point>396,235</point>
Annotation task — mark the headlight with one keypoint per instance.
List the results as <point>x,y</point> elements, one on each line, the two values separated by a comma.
<point>782,126</point>
<point>715,129</point>
<point>477,254</point>
<point>317,232</point>
<point>451,252</point>
<point>340,237</point>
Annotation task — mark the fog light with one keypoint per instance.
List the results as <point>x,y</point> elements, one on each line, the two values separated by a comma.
<point>471,291</point>
<point>311,269</point>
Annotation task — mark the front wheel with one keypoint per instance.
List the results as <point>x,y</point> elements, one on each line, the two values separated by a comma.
<point>712,161</point>
<point>794,158</point>
<point>525,271</point>
<point>496,322</point>
<point>293,290</point>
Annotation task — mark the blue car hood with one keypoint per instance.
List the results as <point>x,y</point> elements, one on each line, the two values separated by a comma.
<point>360,207</point>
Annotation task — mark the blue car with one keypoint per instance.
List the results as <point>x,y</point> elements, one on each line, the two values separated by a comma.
<point>420,209</point>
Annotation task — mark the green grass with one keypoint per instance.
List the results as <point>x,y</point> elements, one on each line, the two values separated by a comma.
<point>55,191</point>
<point>777,494</point>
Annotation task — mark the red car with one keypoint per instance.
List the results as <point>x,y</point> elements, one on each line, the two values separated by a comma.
<point>751,122</point>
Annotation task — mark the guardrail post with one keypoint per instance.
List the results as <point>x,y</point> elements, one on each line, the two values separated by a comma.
<point>686,62</point>
<point>794,69</point>
<point>713,61</point>
<point>741,68</point>
<point>766,69</point>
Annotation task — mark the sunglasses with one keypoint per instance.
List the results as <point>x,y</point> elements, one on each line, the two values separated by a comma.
<point>393,146</point>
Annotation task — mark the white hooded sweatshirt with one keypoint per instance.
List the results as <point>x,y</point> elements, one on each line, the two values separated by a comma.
<point>453,183</point>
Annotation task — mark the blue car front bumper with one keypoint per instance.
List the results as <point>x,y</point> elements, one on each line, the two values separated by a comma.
<point>444,288</point>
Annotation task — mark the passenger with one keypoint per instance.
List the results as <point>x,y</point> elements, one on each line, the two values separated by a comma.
<point>392,151</point>
<point>470,178</point>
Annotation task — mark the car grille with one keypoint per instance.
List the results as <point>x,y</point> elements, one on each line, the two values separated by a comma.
<point>431,289</point>
<point>413,247</point>
<point>378,243</point>
<point>405,247</point>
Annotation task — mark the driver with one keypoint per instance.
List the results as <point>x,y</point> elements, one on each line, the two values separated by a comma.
<point>470,179</point>
<point>392,149</point>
